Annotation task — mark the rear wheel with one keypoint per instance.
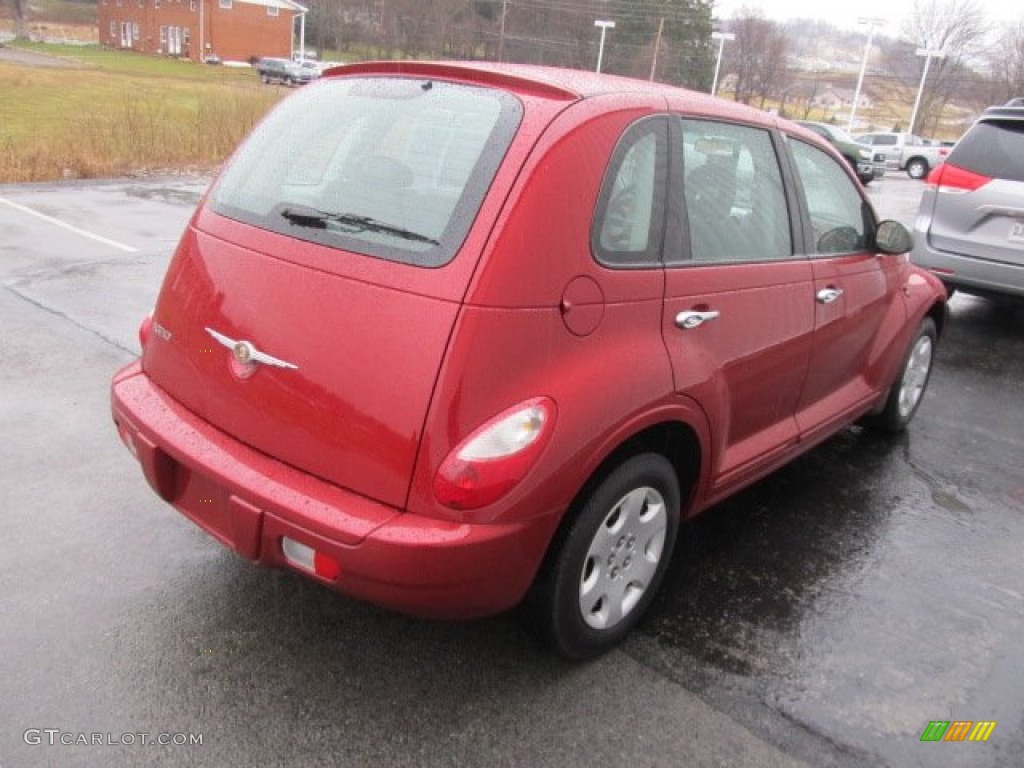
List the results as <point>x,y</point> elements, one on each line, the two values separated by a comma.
<point>605,569</point>
<point>908,390</point>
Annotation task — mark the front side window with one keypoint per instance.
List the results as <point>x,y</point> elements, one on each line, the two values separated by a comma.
<point>839,221</point>
<point>735,200</point>
<point>388,167</point>
<point>630,214</point>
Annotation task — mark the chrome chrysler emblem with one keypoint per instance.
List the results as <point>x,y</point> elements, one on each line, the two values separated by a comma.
<point>242,351</point>
<point>246,353</point>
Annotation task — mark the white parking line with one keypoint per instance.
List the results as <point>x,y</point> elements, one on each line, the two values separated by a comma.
<point>69,227</point>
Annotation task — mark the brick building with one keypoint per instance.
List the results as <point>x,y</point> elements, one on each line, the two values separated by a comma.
<point>234,30</point>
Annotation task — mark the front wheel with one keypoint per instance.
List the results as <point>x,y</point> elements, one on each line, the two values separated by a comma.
<point>917,168</point>
<point>604,570</point>
<point>908,390</point>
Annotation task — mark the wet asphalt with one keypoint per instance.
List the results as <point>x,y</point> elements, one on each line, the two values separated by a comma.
<point>822,617</point>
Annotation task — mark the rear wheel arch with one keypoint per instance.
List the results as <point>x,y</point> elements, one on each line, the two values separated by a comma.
<point>677,441</point>
<point>675,447</point>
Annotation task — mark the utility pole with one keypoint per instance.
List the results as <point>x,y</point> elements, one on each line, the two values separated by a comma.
<point>657,46</point>
<point>501,34</point>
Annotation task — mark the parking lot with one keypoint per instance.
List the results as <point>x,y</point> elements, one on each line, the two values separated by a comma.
<point>822,617</point>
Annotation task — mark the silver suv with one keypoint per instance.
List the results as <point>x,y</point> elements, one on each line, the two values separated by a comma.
<point>970,226</point>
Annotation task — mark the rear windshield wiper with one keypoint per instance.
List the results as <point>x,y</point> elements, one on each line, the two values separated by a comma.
<point>348,222</point>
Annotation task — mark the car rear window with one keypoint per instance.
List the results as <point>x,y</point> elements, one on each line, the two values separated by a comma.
<point>993,148</point>
<point>389,167</point>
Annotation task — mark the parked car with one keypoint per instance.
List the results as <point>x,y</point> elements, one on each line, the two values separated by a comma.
<point>906,152</point>
<point>285,71</point>
<point>310,69</point>
<point>866,163</point>
<point>447,337</point>
<point>970,223</point>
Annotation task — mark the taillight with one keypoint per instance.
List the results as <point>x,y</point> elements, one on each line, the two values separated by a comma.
<point>495,457</point>
<point>145,329</point>
<point>956,180</point>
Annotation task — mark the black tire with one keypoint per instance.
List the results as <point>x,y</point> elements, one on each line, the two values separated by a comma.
<point>605,567</point>
<point>908,390</point>
<point>917,168</point>
<point>865,180</point>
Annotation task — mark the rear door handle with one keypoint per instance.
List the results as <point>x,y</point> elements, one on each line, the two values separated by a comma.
<point>688,320</point>
<point>828,295</point>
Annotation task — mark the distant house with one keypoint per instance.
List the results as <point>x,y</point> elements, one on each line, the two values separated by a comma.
<point>838,98</point>
<point>233,30</point>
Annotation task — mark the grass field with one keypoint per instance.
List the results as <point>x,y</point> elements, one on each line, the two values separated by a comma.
<point>104,113</point>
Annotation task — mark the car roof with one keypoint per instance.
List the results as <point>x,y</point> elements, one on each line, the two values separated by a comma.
<point>1003,113</point>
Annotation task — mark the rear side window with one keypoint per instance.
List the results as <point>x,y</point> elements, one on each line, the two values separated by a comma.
<point>992,148</point>
<point>388,167</point>
<point>630,217</point>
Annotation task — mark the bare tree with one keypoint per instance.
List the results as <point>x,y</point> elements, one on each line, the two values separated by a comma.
<point>757,57</point>
<point>1007,62</point>
<point>20,8</point>
<point>957,28</point>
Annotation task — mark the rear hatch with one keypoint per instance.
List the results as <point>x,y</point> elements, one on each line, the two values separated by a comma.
<point>309,304</point>
<point>979,201</point>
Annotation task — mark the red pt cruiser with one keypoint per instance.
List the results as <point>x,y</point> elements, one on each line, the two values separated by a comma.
<point>446,337</point>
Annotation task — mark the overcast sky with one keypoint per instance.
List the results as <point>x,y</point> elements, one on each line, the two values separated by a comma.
<point>845,14</point>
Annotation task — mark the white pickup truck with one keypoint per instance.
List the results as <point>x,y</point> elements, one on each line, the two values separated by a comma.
<point>906,152</point>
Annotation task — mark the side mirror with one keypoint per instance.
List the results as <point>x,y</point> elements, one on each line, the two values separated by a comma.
<point>893,238</point>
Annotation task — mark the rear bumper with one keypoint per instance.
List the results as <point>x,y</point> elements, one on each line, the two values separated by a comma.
<point>249,501</point>
<point>969,274</point>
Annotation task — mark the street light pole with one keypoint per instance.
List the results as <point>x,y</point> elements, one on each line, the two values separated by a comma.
<point>872,23</point>
<point>721,37</point>
<point>928,54</point>
<point>605,26</point>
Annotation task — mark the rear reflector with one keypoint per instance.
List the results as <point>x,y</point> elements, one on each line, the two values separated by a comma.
<point>308,559</point>
<point>126,438</point>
